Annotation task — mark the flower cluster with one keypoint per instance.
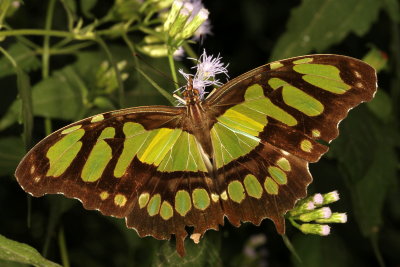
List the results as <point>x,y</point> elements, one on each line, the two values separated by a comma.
<point>182,21</point>
<point>311,209</point>
<point>206,70</point>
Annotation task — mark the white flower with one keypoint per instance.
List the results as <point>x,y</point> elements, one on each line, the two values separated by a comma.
<point>179,53</point>
<point>203,30</point>
<point>207,68</point>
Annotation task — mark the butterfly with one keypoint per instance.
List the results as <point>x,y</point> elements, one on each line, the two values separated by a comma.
<point>241,153</point>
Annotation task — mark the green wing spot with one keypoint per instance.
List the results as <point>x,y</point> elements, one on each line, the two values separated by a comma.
<point>236,191</point>
<point>182,202</point>
<point>253,186</point>
<point>275,83</point>
<point>296,98</point>
<point>159,146</point>
<point>184,155</point>
<point>275,65</point>
<point>62,153</point>
<point>284,164</point>
<point>143,199</point>
<point>166,211</point>
<point>306,145</point>
<point>254,92</point>
<point>303,60</point>
<point>326,77</point>
<point>270,186</point>
<point>275,112</point>
<point>97,118</point>
<point>71,129</point>
<point>154,205</point>
<point>201,199</point>
<point>278,175</point>
<point>239,121</point>
<point>135,137</point>
<point>120,200</point>
<point>301,101</point>
<point>99,157</point>
<point>229,144</point>
<point>104,195</point>
<point>316,133</point>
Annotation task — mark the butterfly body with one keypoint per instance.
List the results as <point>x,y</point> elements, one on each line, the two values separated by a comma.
<point>241,153</point>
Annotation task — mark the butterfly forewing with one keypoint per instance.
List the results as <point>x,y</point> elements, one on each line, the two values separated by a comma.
<point>248,161</point>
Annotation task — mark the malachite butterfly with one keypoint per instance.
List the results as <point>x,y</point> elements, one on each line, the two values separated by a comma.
<point>242,152</point>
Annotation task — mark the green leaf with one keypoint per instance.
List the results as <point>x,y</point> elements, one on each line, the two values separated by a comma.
<point>315,251</point>
<point>318,24</point>
<point>381,105</point>
<point>65,94</point>
<point>86,6</point>
<point>60,96</point>
<point>393,9</point>
<point>19,252</point>
<point>24,57</point>
<point>368,174</point>
<point>11,152</point>
<point>206,253</point>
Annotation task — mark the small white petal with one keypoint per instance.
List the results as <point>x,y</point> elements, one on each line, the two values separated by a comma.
<point>318,199</point>
<point>325,229</point>
<point>326,212</point>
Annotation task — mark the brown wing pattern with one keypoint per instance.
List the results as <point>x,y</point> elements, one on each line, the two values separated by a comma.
<point>263,183</point>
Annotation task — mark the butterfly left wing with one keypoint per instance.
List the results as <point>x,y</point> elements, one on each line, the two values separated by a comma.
<point>137,163</point>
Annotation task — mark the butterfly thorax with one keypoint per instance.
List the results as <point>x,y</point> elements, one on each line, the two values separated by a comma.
<point>198,120</point>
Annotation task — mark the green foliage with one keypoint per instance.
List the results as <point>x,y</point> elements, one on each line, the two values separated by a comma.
<point>316,25</point>
<point>18,252</point>
<point>70,80</point>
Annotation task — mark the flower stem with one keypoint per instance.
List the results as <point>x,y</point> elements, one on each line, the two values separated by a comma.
<point>172,68</point>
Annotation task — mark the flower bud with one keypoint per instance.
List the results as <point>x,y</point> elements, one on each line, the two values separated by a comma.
<point>330,197</point>
<point>176,7</point>
<point>194,24</point>
<point>335,218</point>
<point>155,50</point>
<point>318,199</point>
<point>315,229</point>
<point>180,21</point>
<point>322,213</point>
<point>302,207</point>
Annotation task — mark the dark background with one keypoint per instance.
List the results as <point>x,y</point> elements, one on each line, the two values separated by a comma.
<point>362,163</point>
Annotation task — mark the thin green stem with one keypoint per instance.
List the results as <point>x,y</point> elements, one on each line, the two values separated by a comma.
<point>39,32</point>
<point>188,49</point>
<point>23,39</point>
<point>291,248</point>
<point>48,128</point>
<point>46,41</point>
<point>294,223</point>
<point>9,57</point>
<point>70,49</point>
<point>159,89</point>
<point>131,48</point>
<point>173,69</point>
<point>377,252</point>
<point>63,247</point>
<point>121,94</point>
<point>46,53</point>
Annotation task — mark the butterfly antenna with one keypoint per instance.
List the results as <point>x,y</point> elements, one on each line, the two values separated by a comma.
<point>160,73</point>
